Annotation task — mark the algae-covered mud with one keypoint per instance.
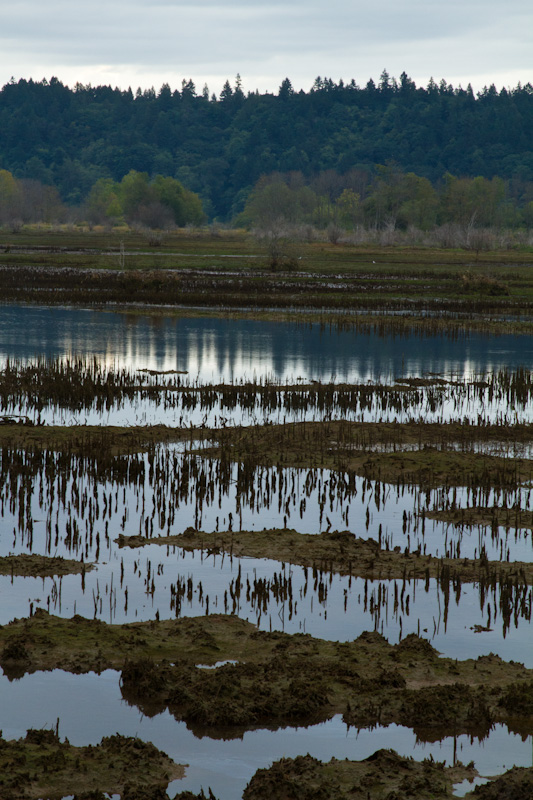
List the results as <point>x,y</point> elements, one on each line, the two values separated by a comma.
<point>43,766</point>
<point>342,552</point>
<point>366,578</point>
<point>275,679</point>
<point>495,516</point>
<point>41,566</point>
<point>380,777</point>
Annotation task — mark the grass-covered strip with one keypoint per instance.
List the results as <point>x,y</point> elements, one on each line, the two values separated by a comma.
<point>233,272</point>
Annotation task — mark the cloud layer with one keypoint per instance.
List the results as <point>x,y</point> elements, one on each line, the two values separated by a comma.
<point>136,42</point>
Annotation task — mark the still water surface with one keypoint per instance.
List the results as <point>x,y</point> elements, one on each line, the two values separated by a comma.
<point>45,515</point>
<point>226,764</point>
<point>215,350</point>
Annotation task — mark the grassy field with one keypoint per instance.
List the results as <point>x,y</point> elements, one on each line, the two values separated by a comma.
<point>232,271</point>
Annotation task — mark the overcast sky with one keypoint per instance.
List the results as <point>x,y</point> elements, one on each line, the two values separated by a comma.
<point>141,43</point>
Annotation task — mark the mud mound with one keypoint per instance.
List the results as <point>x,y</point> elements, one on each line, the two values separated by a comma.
<point>517,784</point>
<point>240,695</point>
<point>417,646</point>
<point>383,776</point>
<point>40,765</point>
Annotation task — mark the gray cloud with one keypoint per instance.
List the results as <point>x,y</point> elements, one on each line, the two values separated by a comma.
<point>134,41</point>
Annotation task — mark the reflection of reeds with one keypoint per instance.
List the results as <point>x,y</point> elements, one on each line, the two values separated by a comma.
<point>85,499</point>
<point>81,384</point>
<point>86,481</point>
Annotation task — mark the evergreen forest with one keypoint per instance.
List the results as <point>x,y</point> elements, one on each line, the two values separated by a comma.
<point>388,150</point>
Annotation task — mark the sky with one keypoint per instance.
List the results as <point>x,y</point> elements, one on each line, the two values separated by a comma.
<point>145,43</point>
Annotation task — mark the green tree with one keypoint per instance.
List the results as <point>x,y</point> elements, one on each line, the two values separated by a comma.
<point>475,202</point>
<point>419,202</point>
<point>185,206</point>
<point>103,204</point>
<point>349,208</point>
<point>270,202</point>
<point>10,197</point>
<point>134,192</point>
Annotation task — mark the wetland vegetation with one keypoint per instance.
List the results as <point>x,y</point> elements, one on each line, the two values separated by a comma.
<point>370,287</point>
<point>272,475</point>
<point>277,551</point>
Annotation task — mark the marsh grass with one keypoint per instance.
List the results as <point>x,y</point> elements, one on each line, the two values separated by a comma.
<point>229,272</point>
<point>81,384</point>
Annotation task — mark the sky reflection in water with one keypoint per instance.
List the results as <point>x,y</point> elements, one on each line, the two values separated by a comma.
<point>213,351</point>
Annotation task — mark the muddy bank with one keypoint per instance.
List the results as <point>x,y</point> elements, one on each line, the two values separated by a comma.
<point>42,766</point>
<point>277,679</point>
<point>304,681</point>
<point>79,645</point>
<point>42,566</point>
<point>382,776</point>
<point>517,784</point>
<point>342,552</point>
<point>89,440</point>
<point>443,455</point>
<point>493,516</point>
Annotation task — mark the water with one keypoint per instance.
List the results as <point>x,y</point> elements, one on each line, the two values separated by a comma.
<point>82,517</point>
<point>75,508</point>
<point>226,765</point>
<point>223,350</point>
<point>213,351</point>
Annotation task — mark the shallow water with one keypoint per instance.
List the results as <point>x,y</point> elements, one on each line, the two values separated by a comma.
<point>78,507</point>
<point>214,351</point>
<point>82,517</point>
<point>222,350</point>
<point>226,765</point>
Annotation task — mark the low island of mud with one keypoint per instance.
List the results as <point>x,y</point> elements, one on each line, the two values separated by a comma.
<point>29,565</point>
<point>382,776</point>
<point>341,552</point>
<point>43,766</point>
<point>275,679</point>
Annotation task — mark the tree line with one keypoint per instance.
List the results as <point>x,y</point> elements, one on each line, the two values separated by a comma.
<point>160,203</point>
<point>387,197</point>
<point>218,148</point>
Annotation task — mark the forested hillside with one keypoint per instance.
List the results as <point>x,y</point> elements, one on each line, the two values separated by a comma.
<point>220,147</point>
